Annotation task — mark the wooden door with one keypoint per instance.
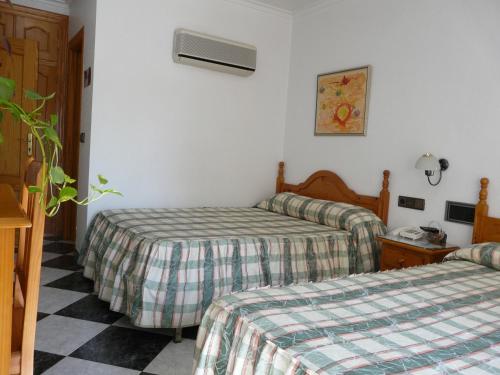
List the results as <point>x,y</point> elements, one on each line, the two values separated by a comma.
<point>50,32</point>
<point>20,65</point>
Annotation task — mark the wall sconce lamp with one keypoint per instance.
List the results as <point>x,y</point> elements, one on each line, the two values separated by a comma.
<point>430,164</point>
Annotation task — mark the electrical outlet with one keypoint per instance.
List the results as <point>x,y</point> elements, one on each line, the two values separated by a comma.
<point>411,202</point>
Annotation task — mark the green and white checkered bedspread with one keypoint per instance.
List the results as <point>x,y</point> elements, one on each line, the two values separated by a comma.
<point>435,319</point>
<point>164,267</point>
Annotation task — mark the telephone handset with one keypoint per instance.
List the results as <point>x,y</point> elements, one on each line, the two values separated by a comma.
<point>412,233</point>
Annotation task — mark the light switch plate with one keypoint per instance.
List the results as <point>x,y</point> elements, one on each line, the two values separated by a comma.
<point>87,77</point>
<point>411,202</point>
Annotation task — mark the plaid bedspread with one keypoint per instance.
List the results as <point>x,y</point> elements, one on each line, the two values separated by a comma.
<point>435,319</point>
<point>363,225</point>
<point>164,267</point>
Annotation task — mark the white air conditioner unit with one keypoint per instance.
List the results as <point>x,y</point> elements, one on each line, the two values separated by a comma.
<point>214,53</point>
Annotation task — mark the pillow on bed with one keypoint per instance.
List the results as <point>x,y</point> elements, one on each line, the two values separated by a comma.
<point>334,214</point>
<point>486,254</point>
<point>362,223</point>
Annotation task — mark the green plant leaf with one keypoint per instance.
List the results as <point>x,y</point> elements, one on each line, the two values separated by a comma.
<point>105,191</point>
<point>102,179</point>
<point>56,175</point>
<point>34,189</point>
<point>30,94</point>
<point>16,111</point>
<point>95,188</point>
<point>55,180</point>
<point>67,193</point>
<point>69,180</point>
<point>53,202</point>
<point>113,191</point>
<point>33,95</point>
<point>7,88</point>
<point>51,134</point>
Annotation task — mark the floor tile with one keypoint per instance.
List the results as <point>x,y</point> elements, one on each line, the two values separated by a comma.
<point>51,274</point>
<point>123,347</point>
<point>46,256</point>
<point>59,247</point>
<point>40,316</point>
<point>81,367</point>
<point>61,335</point>
<point>174,359</point>
<point>43,361</point>
<point>53,299</point>
<point>91,308</point>
<point>66,262</point>
<point>75,282</point>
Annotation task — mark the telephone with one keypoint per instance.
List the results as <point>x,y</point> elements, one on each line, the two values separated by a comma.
<point>412,233</point>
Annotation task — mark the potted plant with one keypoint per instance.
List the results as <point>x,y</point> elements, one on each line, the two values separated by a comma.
<point>59,186</point>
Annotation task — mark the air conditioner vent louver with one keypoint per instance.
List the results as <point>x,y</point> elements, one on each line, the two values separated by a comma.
<point>214,53</point>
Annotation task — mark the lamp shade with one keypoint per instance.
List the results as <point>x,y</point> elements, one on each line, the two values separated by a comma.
<point>428,162</point>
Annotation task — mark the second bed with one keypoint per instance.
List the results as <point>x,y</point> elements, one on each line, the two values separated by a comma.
<point>164,267</point>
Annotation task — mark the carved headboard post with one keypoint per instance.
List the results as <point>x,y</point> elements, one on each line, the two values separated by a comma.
<point>481,210</point>
<point>384,197</point>
<point>280,180</point>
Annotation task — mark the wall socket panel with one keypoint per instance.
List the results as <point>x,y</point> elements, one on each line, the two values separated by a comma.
<point>411,202</point>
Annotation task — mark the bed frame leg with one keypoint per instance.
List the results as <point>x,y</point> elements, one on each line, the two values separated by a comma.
<point>178,335</point>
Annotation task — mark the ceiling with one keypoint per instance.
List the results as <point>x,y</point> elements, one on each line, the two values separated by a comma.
<point>290,5</point>
<point>62,6</point>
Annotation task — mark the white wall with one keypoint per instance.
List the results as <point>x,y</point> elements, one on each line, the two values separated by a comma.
<point>435,87</point>
<point>172,135</point>
<point>83,14</point>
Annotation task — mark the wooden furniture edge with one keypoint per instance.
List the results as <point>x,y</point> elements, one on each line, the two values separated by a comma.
<point>417,248</point>
<point>11,214</point>
<point>328,185</point>
<point>486,228</point>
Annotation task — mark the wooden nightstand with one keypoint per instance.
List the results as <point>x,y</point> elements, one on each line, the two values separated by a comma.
<point>398,252</point>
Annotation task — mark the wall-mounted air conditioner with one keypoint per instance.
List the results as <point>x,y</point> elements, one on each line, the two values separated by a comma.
<point>214,53</point>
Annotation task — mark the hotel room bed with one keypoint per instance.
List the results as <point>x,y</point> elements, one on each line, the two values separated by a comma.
<point>440,318</point>
<point>435,319</point>
<point>163,267</point>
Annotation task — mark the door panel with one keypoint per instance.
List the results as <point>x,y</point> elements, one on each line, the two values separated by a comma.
<point>22,66</point>
<point>50,32</point>
<point>46,34</point>
<point>6,25</point>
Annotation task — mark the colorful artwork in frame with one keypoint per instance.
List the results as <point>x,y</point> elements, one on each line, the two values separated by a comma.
<point>341,102</point>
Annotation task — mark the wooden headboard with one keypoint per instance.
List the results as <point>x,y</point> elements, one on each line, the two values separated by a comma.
<point>486,228</point>
<point>327,185</point>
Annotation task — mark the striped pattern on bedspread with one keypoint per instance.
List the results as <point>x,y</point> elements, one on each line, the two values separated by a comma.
<point>362,223</point>
<point>163,267</point>
<point>435,319</point>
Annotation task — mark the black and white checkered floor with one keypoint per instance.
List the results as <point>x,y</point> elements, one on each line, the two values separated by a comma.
<point>78,334</point>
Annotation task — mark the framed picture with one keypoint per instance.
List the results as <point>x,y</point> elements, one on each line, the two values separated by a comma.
<point>341,102</point>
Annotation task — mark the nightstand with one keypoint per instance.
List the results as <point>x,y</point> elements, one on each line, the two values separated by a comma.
<point>398,252</point>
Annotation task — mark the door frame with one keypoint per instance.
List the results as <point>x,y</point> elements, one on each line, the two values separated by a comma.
<point>71,137</point>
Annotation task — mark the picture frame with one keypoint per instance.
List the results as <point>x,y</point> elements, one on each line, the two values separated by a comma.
<point>342,102</point>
